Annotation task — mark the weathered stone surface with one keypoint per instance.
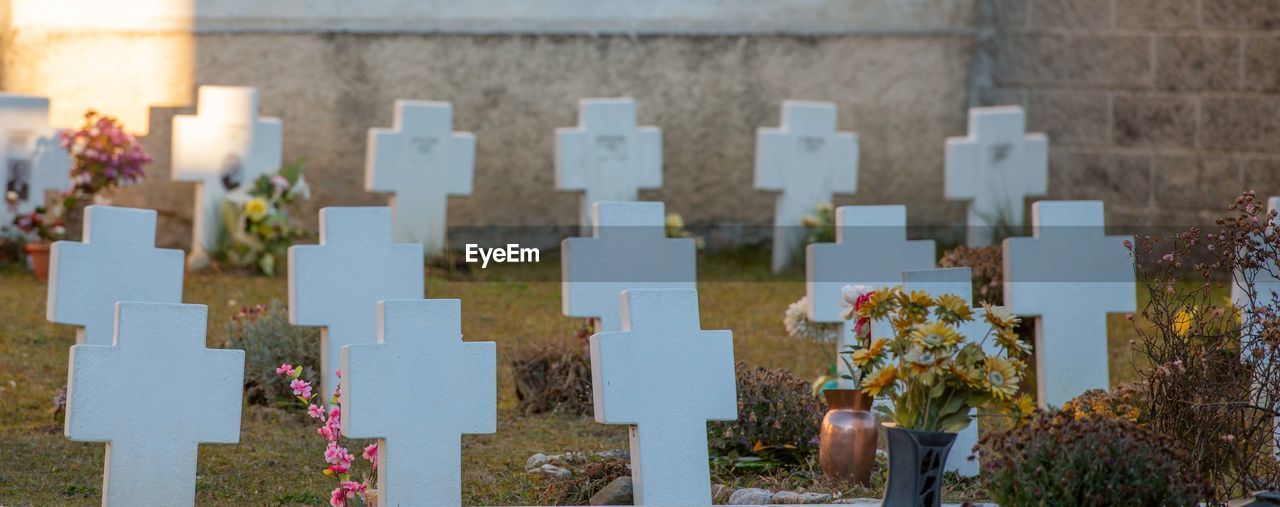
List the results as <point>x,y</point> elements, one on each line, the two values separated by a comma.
<point>1250,123</point>
<point>791,497</point>
<point>1031,58</point>
<point>1235,14</point>
<point>1196,181</point>
<point>1262,175</point>
<point>1261,67</point>
<point>618,492</point>
<point>1147,120</point>
<point>1113,60</point>
<point>1156,14</point>
<point>1197,62</point>
<point>1012,14</point>
<point>1116,178</point>
<point>1068,117</point>
<point>750,496</point>
<point>1069,14</point>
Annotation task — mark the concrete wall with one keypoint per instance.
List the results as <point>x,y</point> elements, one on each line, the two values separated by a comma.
<point>1166,109</point>
<point>900,84</point>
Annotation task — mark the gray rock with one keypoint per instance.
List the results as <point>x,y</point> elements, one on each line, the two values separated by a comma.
<point>750,496</point>
<point>791,497</point>
<point>621,454</point>
<point>535,461</point>
<point>551,471</point>
<point>561,460</point>
<point>618,492</point>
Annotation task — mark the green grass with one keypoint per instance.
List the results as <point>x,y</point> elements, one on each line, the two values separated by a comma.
<point>279,457</point>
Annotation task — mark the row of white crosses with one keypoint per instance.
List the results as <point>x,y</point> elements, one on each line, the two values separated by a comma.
<point>1068,276</point>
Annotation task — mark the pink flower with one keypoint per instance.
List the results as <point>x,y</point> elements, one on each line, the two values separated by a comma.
<point>353,486</point>
<point>371,454</point>
<point>315,411</point>
<point>285,369</point>
<point>338,498</point>
<point>338,373</point>
<point>301,388</point>
<point>336,453</point>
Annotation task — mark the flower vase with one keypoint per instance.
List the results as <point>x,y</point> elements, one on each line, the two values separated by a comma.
<point>847,447</point>
<point>39,255</point>
<point>916,462</point>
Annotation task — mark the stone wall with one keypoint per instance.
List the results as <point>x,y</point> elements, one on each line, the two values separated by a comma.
<point>1165,109</point>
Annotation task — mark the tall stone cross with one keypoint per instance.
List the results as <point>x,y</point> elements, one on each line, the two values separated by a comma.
<point>224,146</point>
<point>607,156</point>
<point>153,395</point>
<point>32,156</point>
<point>959,282</point>
<point>421,161</point>
<point>1267,288</point>
<point>418,390</point>
<point>628,249</point>
<point>1070,275</point>
<point>665,377</point>
<point>117,261</point>
<point>871,249</point>
<point>337,284</point>
<point>807,161</point>
<point>996,167</point>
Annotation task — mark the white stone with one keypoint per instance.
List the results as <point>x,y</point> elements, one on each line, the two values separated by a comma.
<point>421,161</point>
<point>338,283</point>
<point>996,166</point>
<point>628,249</point>
<point>1267,288</point>
<point>117,261</point>
<point>607,156</point>
<point>807,161</point>
<point>418,390</point>
<point>32,157</point>
<point>223,146</point>
<point>665,377</point>
<point>871,249</point>
<point>1070,275</point>
<point>957,281</point>
<point>153,395</point>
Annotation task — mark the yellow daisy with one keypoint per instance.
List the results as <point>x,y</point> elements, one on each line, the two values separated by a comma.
<point>952,309</point>
<point>935,335</point>
<point>1025,405</point>
<point>878,304</point>
<point>863,356</point>
<point>257,208</point>
<point>924,361</point>
<point>969,376</point>
<point>1008,339</point>
<point>999,316</point>
<point>1002,378</point>
<point>879,380</point>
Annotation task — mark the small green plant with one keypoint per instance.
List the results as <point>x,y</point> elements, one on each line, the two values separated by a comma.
<point>1057,459</point>
<point>268,339</point>
<point>820,226</point>
<point>256,220</point>
<point>778,418</point>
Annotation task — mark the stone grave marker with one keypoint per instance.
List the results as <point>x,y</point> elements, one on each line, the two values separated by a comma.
<point>33,158</point>
<point>665,377</point>
<point>957,281</point>
<point>337,284</point>
<point>223,146</point>
<point>996,166</point>
<point>628,249</point>
<point>1069,275</point>
<point>607,156</point>
<point>117,261</point>
<point>153,395</point>
<point>807,161</point>
<point>421,161</point>
<point>871,249</point>
<point>1267,287</point>
<point>418,390</point>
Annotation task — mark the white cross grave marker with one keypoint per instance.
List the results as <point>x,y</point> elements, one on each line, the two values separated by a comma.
<point>422,162</point>
<point>418,390</point>
<point>871,249</point>
<point>1070,275</point>
<point>32,156</point>
<point>338,283</point>
<point>957,281</point>
<point>807,161</point>
<point>628,249</point>
<point>607,156</point>
<point>153,395</point>
<point>665,377</point>
<point>1267,288</point>
<point>117,261</point>
<point>997,165</point>
<point>224,146</point>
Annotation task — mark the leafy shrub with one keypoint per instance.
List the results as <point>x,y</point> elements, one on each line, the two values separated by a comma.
<point>820,226</point>
<point>552,378</point>
<point>1124,402</point>
<point>1057,459</point>
<point>778,417</point>
<point>987,264</point>
<point>268,340</point>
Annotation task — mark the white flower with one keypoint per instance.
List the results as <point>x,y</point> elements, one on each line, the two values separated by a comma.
<point>797,323</point>
<point>851,294</point>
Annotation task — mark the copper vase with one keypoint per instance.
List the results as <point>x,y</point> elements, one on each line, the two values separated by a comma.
<point>847,450</point>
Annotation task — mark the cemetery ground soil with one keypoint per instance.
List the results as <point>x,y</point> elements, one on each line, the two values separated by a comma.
<point>279,458</point>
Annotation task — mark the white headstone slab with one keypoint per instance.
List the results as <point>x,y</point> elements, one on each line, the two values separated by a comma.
<point>957,281</point>
<point>1070,274</point>
<point>422,161</point>
<point>338,283</point>
<point>628,249</point>
<point>117,261</point>
<point>665,377</point>
<point>32,157</point>
<point>153,395</point>
<point>871,249</point>
<point>607,156</point>
<point>996,166</point>
<point>418,390</point>
<point>224,146</point>
<point>1267,288</point>
<point>807,161</point>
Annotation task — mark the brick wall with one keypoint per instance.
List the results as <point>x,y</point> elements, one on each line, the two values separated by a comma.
<point>1165,109</point>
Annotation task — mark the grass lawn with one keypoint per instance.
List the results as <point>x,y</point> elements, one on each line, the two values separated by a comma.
<point>278,459</point>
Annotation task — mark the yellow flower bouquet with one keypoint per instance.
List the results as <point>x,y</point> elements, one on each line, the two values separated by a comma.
<point>933,365</point>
